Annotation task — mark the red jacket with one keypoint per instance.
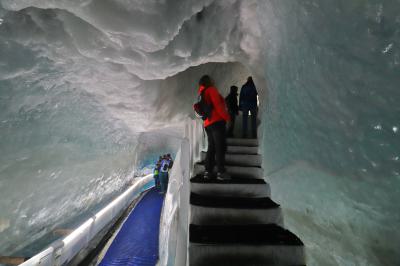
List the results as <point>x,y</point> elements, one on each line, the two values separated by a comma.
<point>218,112</point>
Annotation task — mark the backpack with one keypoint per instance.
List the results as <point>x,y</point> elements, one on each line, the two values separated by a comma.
<point>201,108</point>
<point>164,166</point>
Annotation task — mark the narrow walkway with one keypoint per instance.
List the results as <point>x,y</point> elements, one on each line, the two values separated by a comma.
<point>235,222</point>
<point>137,241</point>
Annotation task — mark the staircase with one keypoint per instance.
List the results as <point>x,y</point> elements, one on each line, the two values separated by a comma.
<point>235,222</point>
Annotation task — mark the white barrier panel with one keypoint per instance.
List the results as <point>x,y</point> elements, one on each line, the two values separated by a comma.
<point>63,251</point>
<point>175,214</point>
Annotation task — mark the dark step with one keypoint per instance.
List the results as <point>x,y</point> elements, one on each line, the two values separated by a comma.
<point>244,245</point>
<point>246,256</point>
<point>232,202</point>
<point>235,171</point>
<point>254,160</point>
<point>242,142</point>
<point>242,150</point>
<point>235,180</point>
<point>237,187</point>
<point>256,234</point>
<point>217,210</point>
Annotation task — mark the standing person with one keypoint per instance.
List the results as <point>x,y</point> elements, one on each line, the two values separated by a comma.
<point>214,125</point>
<point>164,174</point>
<point>170,160</point>
<point>156,175</point>
<point>248,103</point>
<point>233,109</point>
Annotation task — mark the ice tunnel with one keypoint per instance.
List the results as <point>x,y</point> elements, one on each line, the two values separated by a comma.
<point>81,81</point>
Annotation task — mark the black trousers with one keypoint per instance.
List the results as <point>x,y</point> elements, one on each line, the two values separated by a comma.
<point>253,115</point>
<point>216,136</point>
<point>231,124</point>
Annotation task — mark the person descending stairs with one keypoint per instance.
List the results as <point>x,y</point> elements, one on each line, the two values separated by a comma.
<point>234,221</point>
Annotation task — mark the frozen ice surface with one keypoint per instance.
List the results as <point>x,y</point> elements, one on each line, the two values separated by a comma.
<point>80,80</point>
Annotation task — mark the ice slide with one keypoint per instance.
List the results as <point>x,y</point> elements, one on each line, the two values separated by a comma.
<point>137,241</point>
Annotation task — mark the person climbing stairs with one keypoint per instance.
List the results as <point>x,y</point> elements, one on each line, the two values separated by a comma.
<point>235,222</point>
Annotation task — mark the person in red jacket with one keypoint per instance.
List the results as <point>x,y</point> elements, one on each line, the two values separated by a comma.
<point>215,128</point>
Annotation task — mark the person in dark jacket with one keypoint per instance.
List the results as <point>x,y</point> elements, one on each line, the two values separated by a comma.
<point>248,104</point>
<point>233,108</point>
<point>156,173</point>
<point>163,174</point>
<point>215,128</point>
<point>171,161</point>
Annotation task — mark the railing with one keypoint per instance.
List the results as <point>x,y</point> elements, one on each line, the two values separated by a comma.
<point>175,214</point>
<point>63,251</point>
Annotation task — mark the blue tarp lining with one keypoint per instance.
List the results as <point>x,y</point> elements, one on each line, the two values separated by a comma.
<point>137,241</point>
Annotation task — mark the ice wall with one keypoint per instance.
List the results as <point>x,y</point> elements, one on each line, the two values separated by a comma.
<point>331,136</point>
<point>80,79</point>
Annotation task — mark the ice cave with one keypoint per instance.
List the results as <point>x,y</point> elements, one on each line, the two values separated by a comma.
<point>92,90</point>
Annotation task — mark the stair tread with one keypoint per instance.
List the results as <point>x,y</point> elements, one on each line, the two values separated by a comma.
<point>236,171</point>
<point>241,187</point>
<point>228,163</point>
<point>234,180</point>
<point>232,202</point>
<point>227,154</point>
<point>242,142</point>
<point>242,150</point>
<point>255,234</point>
<point>236,156</point>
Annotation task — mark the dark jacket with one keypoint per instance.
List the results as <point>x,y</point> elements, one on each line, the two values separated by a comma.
<point>232,103</point>
<point>248,96</point>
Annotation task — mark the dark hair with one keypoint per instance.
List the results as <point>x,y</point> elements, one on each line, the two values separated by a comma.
<point>206,81</point>
<point>250,81</point>
<point>234,89</point>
